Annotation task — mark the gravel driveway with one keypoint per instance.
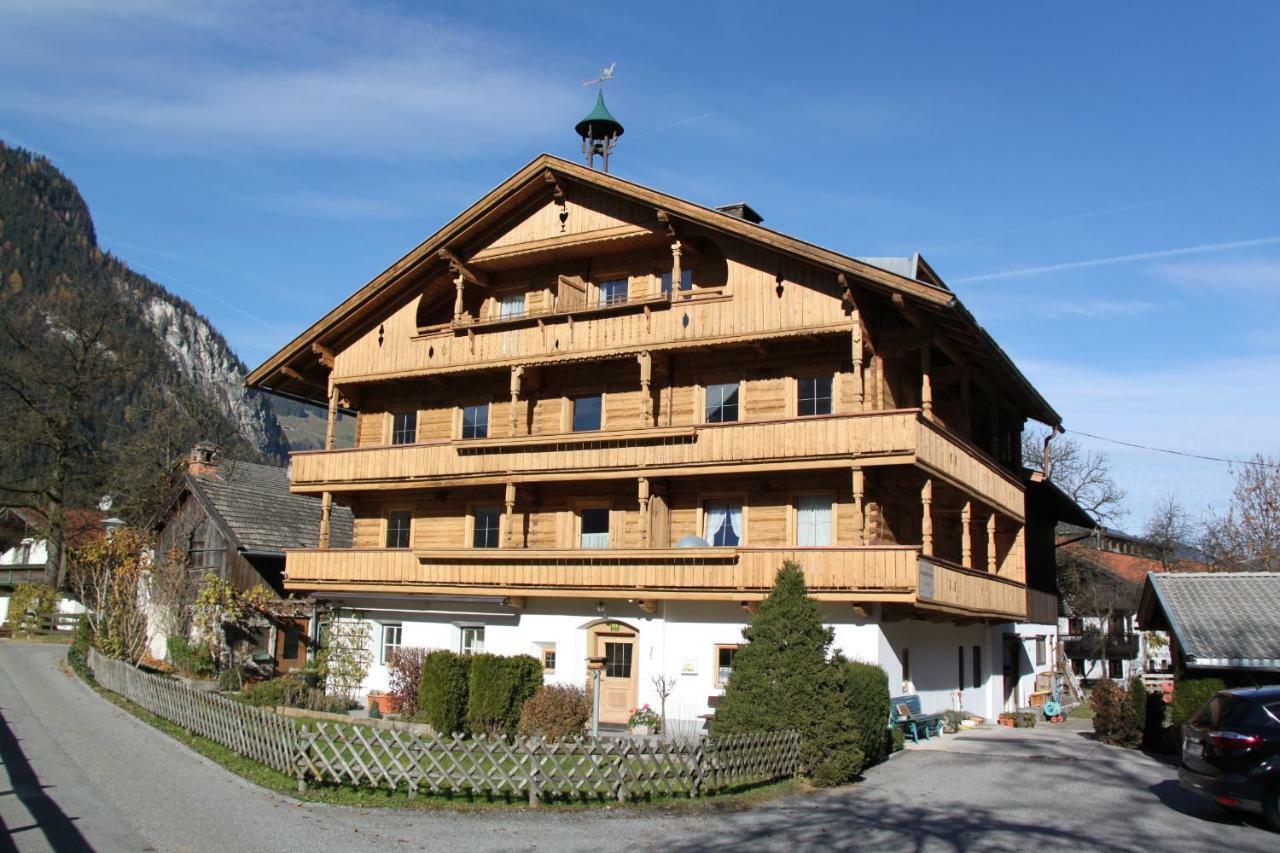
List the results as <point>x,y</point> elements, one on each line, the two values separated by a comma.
<point>83,774</point>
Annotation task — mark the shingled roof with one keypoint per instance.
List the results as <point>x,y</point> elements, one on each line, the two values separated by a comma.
<point>256,506</point>
<point>1220,620</point>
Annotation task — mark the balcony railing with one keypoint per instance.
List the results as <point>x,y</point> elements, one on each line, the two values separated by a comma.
<point>1098,646</point>
<point>12,575</point>
<point>880,573</point>
<point>899,436</point>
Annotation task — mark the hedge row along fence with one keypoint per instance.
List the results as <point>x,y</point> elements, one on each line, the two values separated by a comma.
<point>527,767</point>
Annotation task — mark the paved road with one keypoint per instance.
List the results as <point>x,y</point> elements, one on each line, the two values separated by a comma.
<point>82,774</point>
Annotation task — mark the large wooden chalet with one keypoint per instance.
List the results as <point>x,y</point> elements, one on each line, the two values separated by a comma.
<point>593,418</point>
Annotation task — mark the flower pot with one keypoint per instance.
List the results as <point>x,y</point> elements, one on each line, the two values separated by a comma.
<point>641,730</point>
<point>386,703</point>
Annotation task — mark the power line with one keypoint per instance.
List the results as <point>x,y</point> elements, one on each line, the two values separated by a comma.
<point>1177,452</point>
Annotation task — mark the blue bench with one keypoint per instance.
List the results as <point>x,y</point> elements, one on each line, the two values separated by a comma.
<point>904,711</point>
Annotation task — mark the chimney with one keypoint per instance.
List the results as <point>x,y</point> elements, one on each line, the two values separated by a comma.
<point>742,210</point>
<point>203,460</point>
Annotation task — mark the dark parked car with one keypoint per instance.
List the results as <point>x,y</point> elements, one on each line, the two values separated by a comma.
<point>1231,751</point>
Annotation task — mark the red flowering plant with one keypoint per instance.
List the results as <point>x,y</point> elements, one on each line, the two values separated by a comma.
<point>644,716</point>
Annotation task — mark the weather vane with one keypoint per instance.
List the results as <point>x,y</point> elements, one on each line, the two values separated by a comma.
<point>599,130</point>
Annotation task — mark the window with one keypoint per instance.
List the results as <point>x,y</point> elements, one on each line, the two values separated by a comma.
<point>613,292</point>
<point>595,527</point>
<point>471,639</point>
<point>977,666</point>
<point>813,521</point>
<point>1041,655</point>
<point>404,427</point>
<point>511,305</point>
<point>814,396</point>
<point>686,281</point>
<point>486,523</point>
<point>390,640</point>
<point>722,403</point>
<point>587,412</point>
<point>1077,666</point>
<point>960,680</point>
<point>291,642</point>
<point>617,660</point>
<point>722,523</point>
<point>724,664</point>
<point>398,529</point>
<point>475,421</point>
<point>1115,668</point>
<point>549,659</point>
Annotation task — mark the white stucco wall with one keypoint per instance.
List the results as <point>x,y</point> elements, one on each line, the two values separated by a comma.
<point>680,639</point>
<point>1028,668</point>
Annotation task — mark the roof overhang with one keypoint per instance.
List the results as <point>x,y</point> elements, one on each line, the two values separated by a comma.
<point>296,370</point>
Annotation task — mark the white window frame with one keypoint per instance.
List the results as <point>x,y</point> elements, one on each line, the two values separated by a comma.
<point>475,631</point>
<point>387,627</point>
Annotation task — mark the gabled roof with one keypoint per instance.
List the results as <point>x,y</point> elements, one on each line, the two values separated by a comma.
<point>79,524</point>
<point>1221,620</point>
<point>927,294</point>
<point>254,505</point>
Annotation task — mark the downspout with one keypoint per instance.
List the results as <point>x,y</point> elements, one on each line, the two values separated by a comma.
<point>1046,463</point>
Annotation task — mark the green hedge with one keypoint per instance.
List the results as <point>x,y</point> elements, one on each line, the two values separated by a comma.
<point>442,693</point>
<point>866,694</point>
<point>497,690</point>
<point>1189,695</point>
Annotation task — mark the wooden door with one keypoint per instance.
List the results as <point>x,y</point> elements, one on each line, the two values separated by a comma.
<point>619,681</point>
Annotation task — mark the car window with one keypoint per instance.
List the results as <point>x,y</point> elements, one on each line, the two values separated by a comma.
<point>1216,711</point>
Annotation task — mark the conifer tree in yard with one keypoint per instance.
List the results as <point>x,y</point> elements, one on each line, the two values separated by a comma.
<point>784,678</point>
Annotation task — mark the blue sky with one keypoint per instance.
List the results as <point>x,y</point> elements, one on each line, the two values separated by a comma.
<point>1097,182</point>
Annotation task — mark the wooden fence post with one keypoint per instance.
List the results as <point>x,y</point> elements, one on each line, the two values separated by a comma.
<point>534,769</point>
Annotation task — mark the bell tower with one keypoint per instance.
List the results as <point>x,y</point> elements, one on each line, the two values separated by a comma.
<point>599,130</point>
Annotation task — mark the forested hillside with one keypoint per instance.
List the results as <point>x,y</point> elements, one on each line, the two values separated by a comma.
<point>106,378</point>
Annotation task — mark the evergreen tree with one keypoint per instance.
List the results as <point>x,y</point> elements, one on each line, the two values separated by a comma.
<point>784,678</point>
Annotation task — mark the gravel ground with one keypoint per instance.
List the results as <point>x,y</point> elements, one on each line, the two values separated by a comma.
<point>83,774</point>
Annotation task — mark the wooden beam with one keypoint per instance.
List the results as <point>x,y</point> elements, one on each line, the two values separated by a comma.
<point>325,354</point>
<point>991,543</point>
<point>926,517</point>
<point>458,267</point>
<point>645,360</point>
<point>966,535</point>
<point>859,511</point>
<point>648,606</point>
<point>517,377</point>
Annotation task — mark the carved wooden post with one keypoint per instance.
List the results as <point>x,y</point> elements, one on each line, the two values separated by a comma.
<point>645,521</point>
<point>326,507</point>
<point>991,542</point>
<point>859,511</point>
<point>517,374</point>
<point>926,517</point>
<point>966,535</point>
<point>646,379</point>
<point>856,345</point>
<point>508,515</point>
<point>675,269</point>
<point>926,381</point>
<point>458,283</point>
<point>331,424</point>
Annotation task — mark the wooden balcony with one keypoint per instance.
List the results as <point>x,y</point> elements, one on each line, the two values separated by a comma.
<point>19,573</point>
<point>869,574</point>
<point>896,437</point>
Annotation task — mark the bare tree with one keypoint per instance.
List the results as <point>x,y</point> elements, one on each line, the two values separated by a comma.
<point>1247,537</point>
<point>1084,474</point>
<point>1169,530</point>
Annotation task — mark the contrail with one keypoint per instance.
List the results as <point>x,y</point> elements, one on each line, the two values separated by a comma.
<point>215,297</point>
<point>683,121</point>
<point>1125,259</point>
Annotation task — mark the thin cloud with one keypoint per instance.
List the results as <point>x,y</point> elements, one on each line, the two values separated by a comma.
<point>680,123</point>
<point>1124,259</point>
<point>1254,276</point>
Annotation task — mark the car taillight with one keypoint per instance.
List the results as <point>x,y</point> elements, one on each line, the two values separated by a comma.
<point>1233,741</point>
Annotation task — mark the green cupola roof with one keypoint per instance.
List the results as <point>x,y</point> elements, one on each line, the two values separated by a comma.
<point>599,123</point>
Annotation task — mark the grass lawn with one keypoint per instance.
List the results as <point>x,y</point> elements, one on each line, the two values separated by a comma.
<point>364,797</point>
<point>1083,711</point>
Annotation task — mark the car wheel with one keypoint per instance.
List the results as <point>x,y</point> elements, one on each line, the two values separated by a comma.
<point>1271,806</point>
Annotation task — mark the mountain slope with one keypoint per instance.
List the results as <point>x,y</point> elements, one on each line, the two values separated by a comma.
<point>183,382</point>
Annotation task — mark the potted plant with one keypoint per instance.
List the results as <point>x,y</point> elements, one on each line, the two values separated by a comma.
<point>644,721</point>
<point>1007,719</point>
<point>386,703</point>
<point>952,720</point>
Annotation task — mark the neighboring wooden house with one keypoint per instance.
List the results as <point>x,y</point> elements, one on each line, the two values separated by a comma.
<point>24,556</point>
<point>1223,624</point>
<point>234,520</point>
<point>594,419</point>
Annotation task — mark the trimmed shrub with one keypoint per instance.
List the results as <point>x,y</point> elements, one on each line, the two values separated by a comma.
<point>1110,709</point>
<point>498,687</point>
<point>191,659</point>
<point>1189,696</point>
<point>897,739</point>
<point>29,605</point>
<point>866,694</point>
<point>784,678</point>
<point>442,691</point>
<point>291,693</point>
<point>404,668</point>
<point>555,711</point>
<point>1136,706</point>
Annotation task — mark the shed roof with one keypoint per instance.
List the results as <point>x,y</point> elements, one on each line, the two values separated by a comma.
<point>254,503</point>
<point>1221,620</point>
